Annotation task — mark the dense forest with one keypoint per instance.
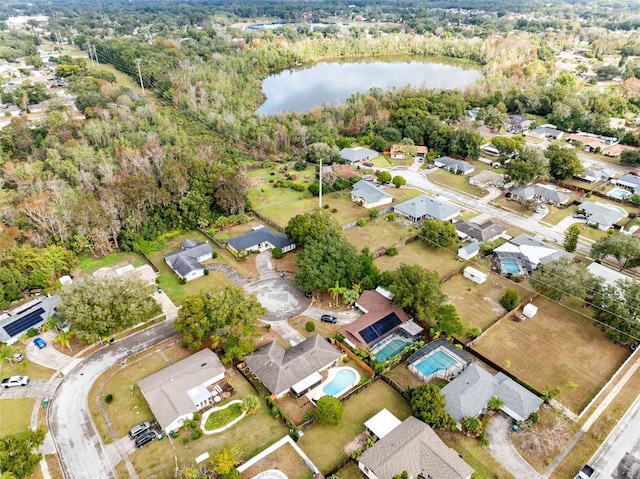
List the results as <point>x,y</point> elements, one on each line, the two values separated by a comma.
<point>138,166</point>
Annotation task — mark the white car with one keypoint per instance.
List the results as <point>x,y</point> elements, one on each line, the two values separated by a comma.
<point>15,381</point>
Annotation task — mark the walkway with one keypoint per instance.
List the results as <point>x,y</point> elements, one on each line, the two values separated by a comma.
<point>501,448</point>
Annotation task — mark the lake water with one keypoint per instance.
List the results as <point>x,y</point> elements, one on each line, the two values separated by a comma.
<point>333,83</point>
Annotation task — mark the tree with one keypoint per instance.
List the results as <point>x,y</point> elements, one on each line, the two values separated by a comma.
<point>309,226</point>
<point>624,248</point>
<point>439,233</point>
<point>402,475</point>
<point>250,404</point>
<point>328,410</point>
<point>524,170</point>
<point>399,181</point>
<point>16,453</point>
<point>508,145</point>
<point>471,426</point>
<point>571,236</point>
<point>428,405</point>
<point>7,353</point>
<point>492,117</point>
<point>96,308</point>
<point>630,157</point>
<point>327,260</point>
<point>226,460</point>
<point>448,321</point>
<point>510,299</point>
<point>617,310</point>
<point>495,403</point>
<point>562,277</point>
<point>563,162</point>
<point>415,289</point>
<point>64,338</point>
<point>227,314</point>
<point>384,177</point>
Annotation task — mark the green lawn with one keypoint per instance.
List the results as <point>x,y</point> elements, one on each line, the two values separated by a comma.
<point>325,444</point>
<point>89,264</point>
<point>555,214</point>
<point>24,367</point>
<point>253,434</point>
<point>381,161</point>
<point>223,417</point>
<point>351,471</point>
<point>378,234</point>
<point>16,415</point>
<point>580,351</point>
<point>443,261</point>
<point>456,182</point>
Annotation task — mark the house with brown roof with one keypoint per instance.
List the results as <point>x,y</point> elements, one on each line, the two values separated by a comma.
<point>413,447</point>
<point>397,151</point>
<point>381,319</point>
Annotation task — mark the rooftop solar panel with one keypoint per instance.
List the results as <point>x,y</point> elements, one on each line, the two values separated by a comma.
<point>380,328</point>
<point>24,323</point>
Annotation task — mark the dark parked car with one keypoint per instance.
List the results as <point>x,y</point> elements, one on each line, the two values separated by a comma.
<point>580,216</point>
<point>39,342</point>
<point>367,163</point>
<point>309,294</point>
<point>327,318</point>
<point>145,437</point>
<point>139,429</point>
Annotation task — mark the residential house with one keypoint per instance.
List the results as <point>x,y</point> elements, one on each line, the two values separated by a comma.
<point>539,192</point>
<point>601,215</point>
<point>454,166</point>
<point>592,143</point>
<point>33,314</point>
<point>469,250</point>
<point>546,131</point>
<point>381,319</point>
<point>424,207</point>
<point>177,391</point>
<point>518,123</point>
<point>616,150</point>
<point>490,149</point>
<point>487,231</point>
<point>610,276</point>
<point>296,369</point>
<point>358,154</point>
<point>487,178</point>
<point>413,447</point>
<point>187,262</point>
<point>527,252</point>
<point>588,176</point>
<point>630,182</point>
<point>397,151</point>
<point>369,195</point>
<point>469,393</point>
<point>260,239</point>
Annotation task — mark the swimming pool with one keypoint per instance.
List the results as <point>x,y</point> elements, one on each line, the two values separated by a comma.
<point>510,266</point>
<point>392,348</point>
<point>439,360</point>
<point>343,380</point>
<point>619,194</point>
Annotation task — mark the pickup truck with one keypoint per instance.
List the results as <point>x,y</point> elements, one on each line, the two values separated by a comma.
<point>15,381</point>
<point>585,473</point>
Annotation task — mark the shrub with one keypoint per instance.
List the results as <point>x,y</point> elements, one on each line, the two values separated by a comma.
<point>329,411</point>
<point>267,326</point>
<point>32,332</point>
<point>277,253</point>
<point>183,280</point>
<point>373,213</point>
<point>326,207</point>
<point>185,440</point>
<point>108,398</point>
<point>334,210</point>
<point>310,326</point>
<point>510,299</point>
<point>339,337</point>
<point>361,222</point>
<point>300,165</point>
<point>391,217</point>
<point>294,435</point>
<point>206,271</point>
<point>275,411</point>
<point>197,416</point>
<point>471,426</point>
<point>475,332</point>
<point>196,434</point>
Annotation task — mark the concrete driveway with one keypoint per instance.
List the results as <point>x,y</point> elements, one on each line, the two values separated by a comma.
<point>281,299</point>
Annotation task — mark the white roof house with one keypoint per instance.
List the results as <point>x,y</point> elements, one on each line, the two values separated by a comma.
<point>610,276</point>
<point>358,153</point>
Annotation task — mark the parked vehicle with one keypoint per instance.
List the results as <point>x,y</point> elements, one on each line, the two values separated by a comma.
<point>17,357</point>
<point>15,381</point>
<point>580,216</point>
<point>138,429</point>
<point>39,342</point>
<point>145,437</point>
<point>327,318</point>
<point>585,473</point>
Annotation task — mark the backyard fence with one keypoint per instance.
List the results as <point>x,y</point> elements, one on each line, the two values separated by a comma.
<point>394,385</point>
<point>148,260</point>
<point>271,223</point>
<point>353,356</point>
<point>219,244</point>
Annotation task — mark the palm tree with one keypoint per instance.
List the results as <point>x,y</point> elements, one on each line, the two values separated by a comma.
<point>7,354</point>
<point>250,404</point>
<point>8,475</point>
<point>336,291</point>
<point>52,322</point>
<point>64,338</point>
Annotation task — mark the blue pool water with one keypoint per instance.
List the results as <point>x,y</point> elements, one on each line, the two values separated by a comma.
<point>619,194</point>
<point>343,379</point>
<point>395,346</point>
<point>438,361</point>
<point>510,266</point>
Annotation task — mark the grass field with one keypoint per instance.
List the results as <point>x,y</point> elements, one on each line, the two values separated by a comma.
<point>285,459</point>
<point>403,377</point>
<point>378,234</point>
<point>24,367</point>
<point>351,471</point>
<point>554,348</point>
<point>555,214</point>
<point>479,304</point>
<point>16,415</point>
<point>457,182</point>
<point>252,434</point>
<point>325,444</point>
<point>444,262</point>
<point>89,264</point>
<point>511,205</point>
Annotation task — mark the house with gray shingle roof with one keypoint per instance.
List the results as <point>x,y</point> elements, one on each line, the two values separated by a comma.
<point>454,166</point>
<point>358,153</point>
<point>469,393</point>
<point>539,192</point>
<point>413,447</point>
<point>424,207</point>
<point>296,369</point>
<point>177,391</point>
<point>487,231</point>
<point>187,262</point>
<point>258,240</point>
<point>628,181</point>
<point>369,195</point>
<point>601,215</point>
<point>546,131</point>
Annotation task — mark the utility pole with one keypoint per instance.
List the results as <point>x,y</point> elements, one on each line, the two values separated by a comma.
<point>91,56</point>
<point>140,76</point>
<point>95,55</point>
<point>320,184</point>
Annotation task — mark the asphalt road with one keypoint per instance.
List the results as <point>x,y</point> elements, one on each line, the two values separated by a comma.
<point>619,456</point>
<point>77,441</point>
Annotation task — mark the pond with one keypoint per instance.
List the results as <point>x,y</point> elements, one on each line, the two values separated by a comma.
<point>333,83</point>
